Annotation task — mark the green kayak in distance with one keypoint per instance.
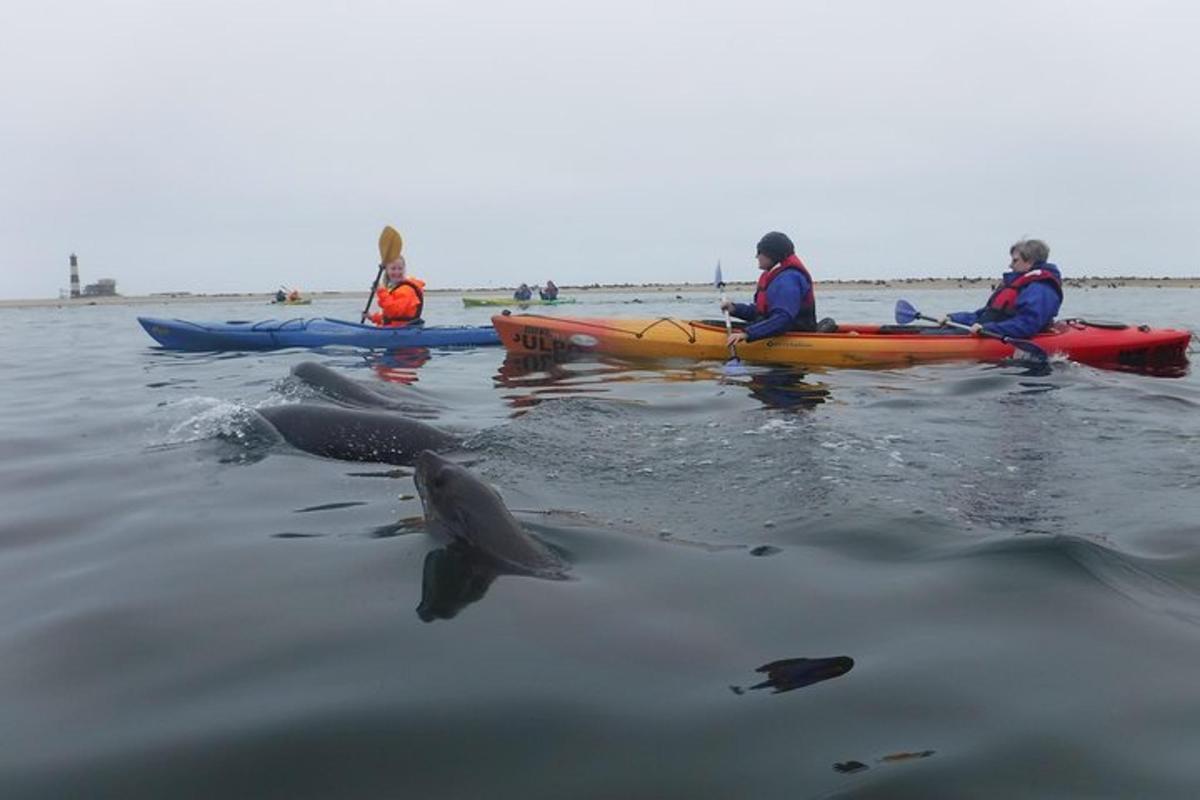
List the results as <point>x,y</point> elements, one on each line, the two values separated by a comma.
<point>474,302</point>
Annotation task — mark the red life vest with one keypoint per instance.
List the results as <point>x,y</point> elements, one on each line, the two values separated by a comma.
<point>1003,301</point>
<point>791,262</point>
<point>418,290</point>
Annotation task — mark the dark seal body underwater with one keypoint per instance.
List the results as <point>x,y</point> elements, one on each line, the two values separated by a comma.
<point>341,389</point>
<point>355,434</point>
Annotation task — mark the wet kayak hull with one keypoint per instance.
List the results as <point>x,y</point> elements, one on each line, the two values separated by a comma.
<point>178,334</point>
<point>865,346</point>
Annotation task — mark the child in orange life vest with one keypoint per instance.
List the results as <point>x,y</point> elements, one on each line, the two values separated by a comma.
<point>401,299</point>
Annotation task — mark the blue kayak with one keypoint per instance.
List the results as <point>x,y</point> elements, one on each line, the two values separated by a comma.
<point>271,334</point>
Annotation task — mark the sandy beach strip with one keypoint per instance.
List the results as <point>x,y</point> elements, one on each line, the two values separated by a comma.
<point>170,298</point>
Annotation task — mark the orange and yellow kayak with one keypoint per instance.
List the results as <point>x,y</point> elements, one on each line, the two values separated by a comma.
<point>1108,345</point>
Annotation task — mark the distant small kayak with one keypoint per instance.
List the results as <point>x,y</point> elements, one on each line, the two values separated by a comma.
<point>304,302</point>
<point>271,334</point>
<point>473,302</point>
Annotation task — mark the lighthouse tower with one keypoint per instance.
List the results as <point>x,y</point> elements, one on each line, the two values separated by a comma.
<point>74,276</point>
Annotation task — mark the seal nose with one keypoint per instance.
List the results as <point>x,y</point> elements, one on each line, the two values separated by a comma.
<point>431,469</point>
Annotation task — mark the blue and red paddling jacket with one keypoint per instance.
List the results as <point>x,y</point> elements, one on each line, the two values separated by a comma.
<point>1003,302</point>
<point>783,301</point>
<point>785,306</point>
<point>1024,305</point>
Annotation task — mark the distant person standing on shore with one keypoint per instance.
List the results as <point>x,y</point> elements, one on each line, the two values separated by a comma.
<point>783,300</point>
<point>1029,296</point>
<point>401,299</point>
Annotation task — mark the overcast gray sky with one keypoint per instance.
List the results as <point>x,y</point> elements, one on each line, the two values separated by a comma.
<point>231,146</point>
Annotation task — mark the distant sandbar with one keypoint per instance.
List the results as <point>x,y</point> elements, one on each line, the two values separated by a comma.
<point>165,298</point>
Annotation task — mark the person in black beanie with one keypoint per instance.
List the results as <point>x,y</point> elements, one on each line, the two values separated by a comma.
<point>784,299</point>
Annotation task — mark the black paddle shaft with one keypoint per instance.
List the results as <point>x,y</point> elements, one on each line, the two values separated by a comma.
<point>905,313</point>
<point>371,295</point>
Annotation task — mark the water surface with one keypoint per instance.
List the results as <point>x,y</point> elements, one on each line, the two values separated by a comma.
<point>970,580</point>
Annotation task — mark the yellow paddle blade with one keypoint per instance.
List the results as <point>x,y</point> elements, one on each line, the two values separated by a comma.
<point>390,244</point>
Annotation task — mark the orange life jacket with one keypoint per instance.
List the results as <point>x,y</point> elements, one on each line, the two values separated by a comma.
<point>400,304</point>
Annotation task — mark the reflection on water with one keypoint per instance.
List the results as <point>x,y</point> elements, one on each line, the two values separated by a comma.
<point>454,576</point>
<point>849,767</point>
<point>400,365</point>
<point>853,765</point>
<point>331,506</point>
<point>1018,465</point>
<point>793,673</point>
<point>892,758</point>
<point>537,377</point>
<point>1031,367</point>
<point>785,388</point>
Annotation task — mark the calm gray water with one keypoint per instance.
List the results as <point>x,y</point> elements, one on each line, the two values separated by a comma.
<point>994,575</point>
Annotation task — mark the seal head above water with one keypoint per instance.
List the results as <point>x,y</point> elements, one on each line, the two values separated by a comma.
<point>460,506</point>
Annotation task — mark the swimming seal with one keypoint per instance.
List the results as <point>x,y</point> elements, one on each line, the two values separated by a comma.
<point>460,506</point>
<point>349,434</point>
<point>337,387</point>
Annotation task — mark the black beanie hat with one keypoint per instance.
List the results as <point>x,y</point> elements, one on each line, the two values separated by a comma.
<point>776,245</point>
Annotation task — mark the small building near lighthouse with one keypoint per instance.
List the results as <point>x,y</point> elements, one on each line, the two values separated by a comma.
<point>105,287</point>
